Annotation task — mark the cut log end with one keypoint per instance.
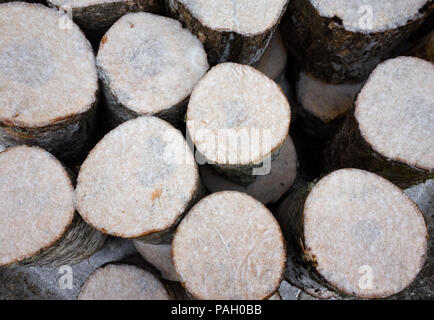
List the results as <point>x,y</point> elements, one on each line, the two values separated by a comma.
<point>139,180</point>
<point>122,282</point>
<point>360,235</point>
<point>50,108</point>
<point>233,242</point>
<point>325,101</point>
<point>149,65</point>
<point>399,126</point>
<point>39,225</point>
<point>237,31</point>
<point>371,16</point>
<point>390,130</point>
<point>266,189</point>
<point>248,122</point>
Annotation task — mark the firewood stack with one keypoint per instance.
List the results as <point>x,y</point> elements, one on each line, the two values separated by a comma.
<point>239,149</point>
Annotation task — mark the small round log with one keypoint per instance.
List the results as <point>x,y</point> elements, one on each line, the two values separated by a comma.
<point>322,106</point>
<point>148,65</point>
<point>247,124</point>
<point>122,282</point>
<point>95,17</point>
<point>229,246</point>
<point>273,62</point>
<point>266,189</point>
<point>48,81</point>
<point>139,181</point>
<point>38,222</point>
<point>352,233</point>
<point>159,256</point>
<point>339,41</point>
<point>235,31</point>
<point>390,131</point>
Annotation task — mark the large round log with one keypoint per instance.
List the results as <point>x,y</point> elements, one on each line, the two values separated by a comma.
<point>148,66</point>
<point>229,246</point>
<point>122,282</point>
<point>38,221</point>
<point>322,106</point>
<point>246,125</point>
<point>138,181</point>
<point>48,81</point>
<point>390,131</point>
<point>338,40</point>
<point>95,17</point>
<point>266,189</point>
<point>352,233</point>
<point>231,30</point>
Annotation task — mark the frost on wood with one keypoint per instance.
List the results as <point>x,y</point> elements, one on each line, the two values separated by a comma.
<point>96,16</point>
<point>148,66</point>
<point>159,256</point>
<point>122,282</point>
<point>353,233</point>
<point>38,222</point>
<point>344,40</point>
<point>322,105</point>
<point>53,70</point>
<point>249,119</point>
<point>268,188</point>
<point>138,181</point>
<point>229,246</point>
<point>390,130</point>
<point>231,30</point>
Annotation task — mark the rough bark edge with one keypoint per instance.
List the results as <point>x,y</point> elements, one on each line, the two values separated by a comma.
<point>220,45</point>
<point>117,113</point>
<point>65,139</point>
<point>301,271</point>
<point>350,149</point>
<point>96,19</point>
<point>166,236</point>
<point>326,49</point>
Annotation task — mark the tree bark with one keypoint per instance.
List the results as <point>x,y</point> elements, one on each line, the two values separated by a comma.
<point>326,49</point>
<point>300,270</point>
<point>96,19</point>
<point>349,149</point>
<point>65,138</point>
<point>222,46</point>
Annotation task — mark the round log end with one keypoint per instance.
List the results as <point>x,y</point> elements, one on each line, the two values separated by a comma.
<point>363,234</point>
<point>325,101</point>
<point>229,246</point>
<point>149,65</point>
<point>37,202</point>
<point>395,111</point>
<point>138,180</point>
<point>34,62</point>
<point>243,17</point>
<point>370,16</point>
<point>122,282</point>
<point>249,118</point>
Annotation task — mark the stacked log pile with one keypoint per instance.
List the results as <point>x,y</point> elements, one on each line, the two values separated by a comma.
<point>240,149</point>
